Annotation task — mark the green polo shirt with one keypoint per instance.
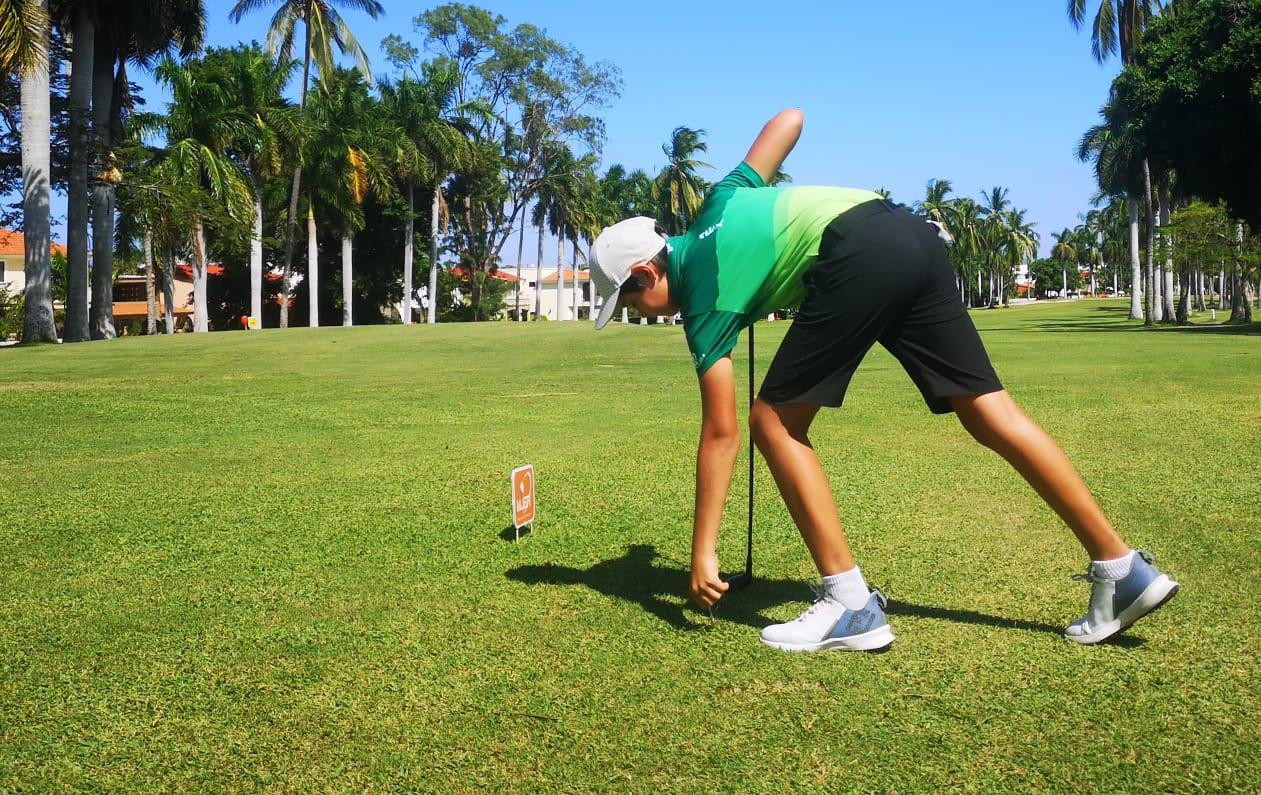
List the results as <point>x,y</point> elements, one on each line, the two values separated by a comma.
<point>744,256</point>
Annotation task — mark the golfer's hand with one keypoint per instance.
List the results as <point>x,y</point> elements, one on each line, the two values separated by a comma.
<point>707,584</point>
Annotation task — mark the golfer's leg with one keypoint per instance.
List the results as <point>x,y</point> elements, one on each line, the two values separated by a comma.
<point>780,432</point>
<point>998,423</point>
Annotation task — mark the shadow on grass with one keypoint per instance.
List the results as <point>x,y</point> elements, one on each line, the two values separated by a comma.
<point>509,533</point>
<point>636,577</point>
<point>900,608</point>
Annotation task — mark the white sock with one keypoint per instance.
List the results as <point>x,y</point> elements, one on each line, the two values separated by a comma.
<point>849,588</point>
<point>1116,568</point>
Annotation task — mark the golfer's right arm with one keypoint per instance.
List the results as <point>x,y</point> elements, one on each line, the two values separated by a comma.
<point>715,460</point>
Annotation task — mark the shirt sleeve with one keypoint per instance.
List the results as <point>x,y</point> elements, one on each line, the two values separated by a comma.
<point>742,176</point>
<point>711,336</point>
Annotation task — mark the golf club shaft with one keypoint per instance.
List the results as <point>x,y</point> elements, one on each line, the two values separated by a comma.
<point>748,561</point>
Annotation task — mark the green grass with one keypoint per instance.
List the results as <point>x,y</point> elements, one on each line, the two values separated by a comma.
<point>276,561</point>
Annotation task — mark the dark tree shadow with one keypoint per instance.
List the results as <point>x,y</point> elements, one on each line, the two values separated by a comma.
<point>660,589</point>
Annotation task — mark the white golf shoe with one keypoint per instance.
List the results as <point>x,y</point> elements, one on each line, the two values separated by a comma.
<point>826,624</point>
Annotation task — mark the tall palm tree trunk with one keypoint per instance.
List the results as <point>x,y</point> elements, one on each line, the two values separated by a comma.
<point>348,242</point>
<point>1167,278</point>
<point>38,324</point>
<point>431,315</point>
<point>291,228</point>
<point>168,292</point>
<point>201,313</point>
<point>1136,267</point>
<point>538,279</point>
<point>573,286</point>
<point>77,210</point>
<point>256,252</point>
<point>101,319</point>
<point>1240,287</point>
<point>1149,285</point>
<point>150,294</point>
<point>409,241</point>
<point>560,275</point>
<point>517,288</point>
<point>1184,300</point>
<point>312,268</point>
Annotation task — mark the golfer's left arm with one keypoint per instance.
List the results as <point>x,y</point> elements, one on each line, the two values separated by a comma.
<point>715,460</point>
<point>773,144</point>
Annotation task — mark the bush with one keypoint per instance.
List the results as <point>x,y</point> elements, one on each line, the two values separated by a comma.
<point>10,314</point>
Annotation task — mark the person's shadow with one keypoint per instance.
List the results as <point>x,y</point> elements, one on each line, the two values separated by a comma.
<point>662,590</point>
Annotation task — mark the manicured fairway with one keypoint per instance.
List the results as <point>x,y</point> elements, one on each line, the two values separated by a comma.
<point>277,561</point>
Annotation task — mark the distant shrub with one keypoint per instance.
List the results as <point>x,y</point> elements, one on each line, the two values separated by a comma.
<point>10,314</point>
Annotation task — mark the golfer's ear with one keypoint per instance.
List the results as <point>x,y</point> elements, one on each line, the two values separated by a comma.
<point>773,144</point>
<point>645,273</point>
<point>718,399</point>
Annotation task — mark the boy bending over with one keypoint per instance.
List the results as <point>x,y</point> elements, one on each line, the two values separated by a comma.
<point>865,271</point>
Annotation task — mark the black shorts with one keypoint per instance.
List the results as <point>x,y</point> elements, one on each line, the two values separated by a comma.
<point>882,276</point>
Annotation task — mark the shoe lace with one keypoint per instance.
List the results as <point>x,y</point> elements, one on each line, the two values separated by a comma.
<point>1092,577</point>
<point>1089,576</point>
<point>821,597</point>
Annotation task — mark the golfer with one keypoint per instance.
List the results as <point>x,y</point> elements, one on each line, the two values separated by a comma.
<point>864,271</point>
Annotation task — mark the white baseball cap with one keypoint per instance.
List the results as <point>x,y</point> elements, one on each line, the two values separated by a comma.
<point>618,247</point>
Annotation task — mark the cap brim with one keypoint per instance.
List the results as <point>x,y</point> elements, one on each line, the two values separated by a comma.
<point>607,310</point>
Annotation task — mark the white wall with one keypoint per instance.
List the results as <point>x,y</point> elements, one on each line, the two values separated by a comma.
<point>14,277</point>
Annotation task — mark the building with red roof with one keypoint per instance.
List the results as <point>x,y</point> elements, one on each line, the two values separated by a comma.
<point>13,259</point>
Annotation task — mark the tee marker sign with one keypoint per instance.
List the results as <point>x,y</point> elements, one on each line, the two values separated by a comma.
<point>523,504</point>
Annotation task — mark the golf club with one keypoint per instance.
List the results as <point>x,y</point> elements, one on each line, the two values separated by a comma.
<point>742,580</point>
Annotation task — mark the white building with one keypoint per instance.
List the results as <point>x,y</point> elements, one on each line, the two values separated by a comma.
<point>530,286</point>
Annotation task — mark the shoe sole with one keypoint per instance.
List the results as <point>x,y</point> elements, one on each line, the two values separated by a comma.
<point>1161,590</point>
<point>878,639</point>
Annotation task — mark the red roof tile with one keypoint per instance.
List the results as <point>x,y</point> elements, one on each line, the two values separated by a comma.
<point>15,243</point>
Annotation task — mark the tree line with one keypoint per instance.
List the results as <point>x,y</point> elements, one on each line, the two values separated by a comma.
<point>481,131</point>
<point>1175,154</point>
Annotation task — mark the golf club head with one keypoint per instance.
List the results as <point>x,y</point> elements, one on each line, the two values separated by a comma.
<point>740,581</point>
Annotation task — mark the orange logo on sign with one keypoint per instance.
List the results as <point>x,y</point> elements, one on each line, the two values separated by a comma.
<point>522,496</point>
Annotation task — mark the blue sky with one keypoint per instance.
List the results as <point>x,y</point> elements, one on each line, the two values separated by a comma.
<point>981,93</point>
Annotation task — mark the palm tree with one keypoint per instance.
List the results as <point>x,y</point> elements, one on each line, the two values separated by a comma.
<point>993,233</point>
<point>31,53</point>
<point>1118,27</point>
<point>1019,243</point>
<point>1064,251</point>
<point>268,132</point>
<point>82,27</point>
<point>199,127</point>
<point>23,35</point>
<point>138,31</point>
<point>1116,147</point>
<point>678,190</point>
<point>428,114</point>
<point>324,29</point>
<point>935,205</point>
<point>350,152</point>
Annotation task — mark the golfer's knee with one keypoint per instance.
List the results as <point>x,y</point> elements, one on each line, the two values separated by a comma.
<point>764,425</point>
<point>992,419</point>
<point>768,426</point>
